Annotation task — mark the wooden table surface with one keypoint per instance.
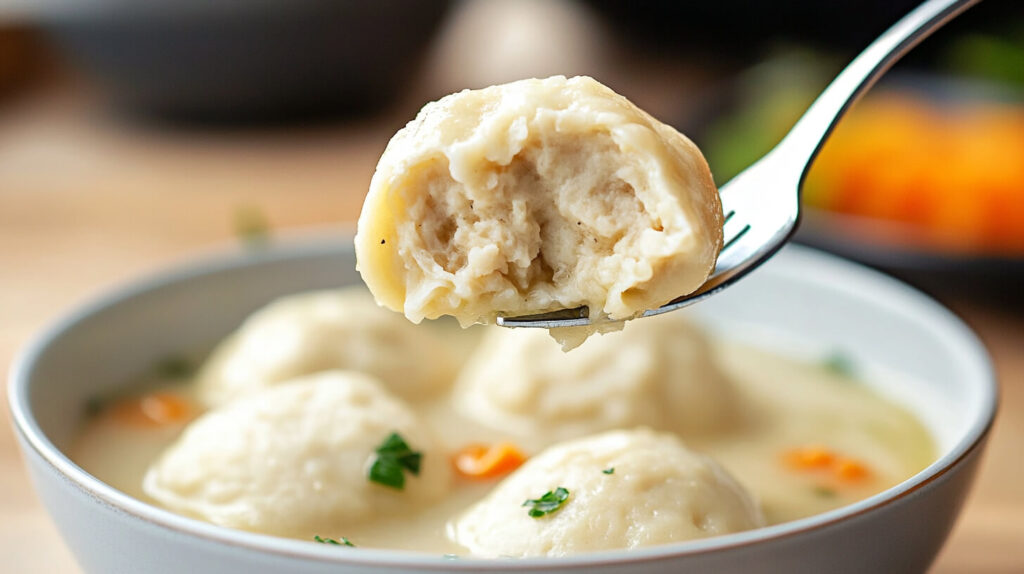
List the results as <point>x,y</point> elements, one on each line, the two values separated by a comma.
<point>88,201</point>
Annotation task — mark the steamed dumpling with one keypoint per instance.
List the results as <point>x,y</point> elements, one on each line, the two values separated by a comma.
<point>323,330</point>
<point>533,196</point>
<point>658,372</point>
<point>626,489</point>
<point>292,460</point>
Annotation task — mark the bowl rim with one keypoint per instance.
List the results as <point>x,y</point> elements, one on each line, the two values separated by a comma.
<point>841,273</point>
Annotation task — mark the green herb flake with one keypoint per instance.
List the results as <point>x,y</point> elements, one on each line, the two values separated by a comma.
<point>840,364</point>
<point>394,457</point>
<point>344,541</point>
<point>95,405</point>
<point>450,556</point>
<point>824,491</point>
<point>174,367</point>
<point>609,470</point>
<point>549,503</point>
<point>251,226</point>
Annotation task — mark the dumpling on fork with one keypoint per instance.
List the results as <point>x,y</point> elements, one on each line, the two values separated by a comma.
<point>535,196</point>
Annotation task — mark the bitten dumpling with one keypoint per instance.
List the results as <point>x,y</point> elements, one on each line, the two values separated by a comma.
<point>534,196</point>
<point>658,372</point>
<point>625,489</point>
<point>293,460</point>
<point>323,330</point>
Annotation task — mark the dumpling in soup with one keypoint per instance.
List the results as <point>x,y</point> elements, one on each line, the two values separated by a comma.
<point>323,330</point>
<point>293,460</point>
<point>658,372</point>
<point>621,489</point>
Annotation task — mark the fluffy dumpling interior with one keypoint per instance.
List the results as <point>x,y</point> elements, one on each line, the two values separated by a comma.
<point>534,196</point>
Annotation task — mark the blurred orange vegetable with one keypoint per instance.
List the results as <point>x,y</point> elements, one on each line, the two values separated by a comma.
<point>809,457</point>
<point>954,173</point>
<point>155,409</point>
<point>819,459</point>
<point>851,470</point>
<point>480,461</point>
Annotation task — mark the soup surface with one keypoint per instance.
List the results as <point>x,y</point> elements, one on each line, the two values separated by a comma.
<point>801,435</point>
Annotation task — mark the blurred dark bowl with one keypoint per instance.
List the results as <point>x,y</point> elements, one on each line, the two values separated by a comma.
<point>23,58</point>
<point>742,29</point>
<point>245,61</point>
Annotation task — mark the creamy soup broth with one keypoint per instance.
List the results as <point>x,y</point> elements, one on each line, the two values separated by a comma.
<point>791,408</point>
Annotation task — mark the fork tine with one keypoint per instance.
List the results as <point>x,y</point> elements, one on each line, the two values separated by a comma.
<point>580,316</point>
<point>729,242</point>
<point>734,225</point>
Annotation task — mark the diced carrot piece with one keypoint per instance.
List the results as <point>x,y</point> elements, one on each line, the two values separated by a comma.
<point>809,457</point>
<point>156,409</point>
<point>818,459</point>
<point>481,462</point>
<point>851,470</point>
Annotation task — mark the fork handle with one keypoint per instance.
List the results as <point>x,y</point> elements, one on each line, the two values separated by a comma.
<point>802,143</point>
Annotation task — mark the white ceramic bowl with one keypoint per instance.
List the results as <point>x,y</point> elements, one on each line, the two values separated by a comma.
<point>801,295</point>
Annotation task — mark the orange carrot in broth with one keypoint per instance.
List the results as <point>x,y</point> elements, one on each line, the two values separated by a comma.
<point>482,462</point>
<point>153,410</point>
<point>819,459</point>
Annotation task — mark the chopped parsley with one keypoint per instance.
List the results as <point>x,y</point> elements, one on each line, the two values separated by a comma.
<point>344,541</point>
<point>100,402</point>
<point>609,470</point>
<point>840,364</point>
<point>549,503</point>
<point>94,405</point>
<point>824,491</point>
<point>174,367</point>
<point>394,457</point>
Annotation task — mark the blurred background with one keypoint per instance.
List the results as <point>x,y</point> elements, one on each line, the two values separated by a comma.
<point>263,105</point>
<point>133,134</point>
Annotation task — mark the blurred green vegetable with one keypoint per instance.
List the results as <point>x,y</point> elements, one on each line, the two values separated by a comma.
<point>772,96</point>
<point>998,58</point>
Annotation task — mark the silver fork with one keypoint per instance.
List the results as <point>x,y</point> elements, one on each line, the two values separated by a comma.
<point>762,204</point>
